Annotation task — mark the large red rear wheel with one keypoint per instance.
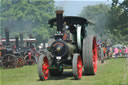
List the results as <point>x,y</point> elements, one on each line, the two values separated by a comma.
<point>77,66</point>
<point>43,67</point>
<point>90,55</point>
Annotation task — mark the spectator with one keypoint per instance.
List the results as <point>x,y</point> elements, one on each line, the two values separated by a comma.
<point>126,51</point>
<point>104,50</point>
<point>120,52</point>
<point>116,52</point>
<point>111,52</point>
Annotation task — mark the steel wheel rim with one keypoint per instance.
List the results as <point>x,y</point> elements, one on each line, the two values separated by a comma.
<point>79,67</point>
<point>94,55</point>
<point>20,62</point>
<point>8,62</point>
<point>28,60</point>
<point>45,68</point>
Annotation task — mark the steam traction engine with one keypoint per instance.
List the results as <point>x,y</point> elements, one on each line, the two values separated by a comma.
<point>30,54</point>
<point>71,48</point>
<point>28,51</point>
<point>9,57</point>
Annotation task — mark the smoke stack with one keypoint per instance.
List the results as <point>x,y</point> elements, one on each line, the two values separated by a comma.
<point>59,20</point>
<point>7,36</point>
<point>21,40</point>
<point>17,42</point>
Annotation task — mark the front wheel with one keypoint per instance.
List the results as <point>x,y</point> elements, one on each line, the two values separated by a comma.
<point>43,67</point>
<point>77,66</point>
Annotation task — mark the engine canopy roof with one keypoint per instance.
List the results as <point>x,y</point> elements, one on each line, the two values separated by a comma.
<point>71,20</point>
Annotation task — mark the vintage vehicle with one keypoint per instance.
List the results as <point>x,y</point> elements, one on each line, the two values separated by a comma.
<point>22,47</point>
<point>2,51</point>
<point>29,50</point>
<point>9,57</point>
<point>70,48</point>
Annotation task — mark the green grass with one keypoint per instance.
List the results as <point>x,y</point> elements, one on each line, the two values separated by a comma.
<point>110,73</point>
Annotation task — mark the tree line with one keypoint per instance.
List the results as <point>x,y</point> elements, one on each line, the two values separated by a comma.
<point>111,21</point>
<point>27,16</point>
<point>31,17</point>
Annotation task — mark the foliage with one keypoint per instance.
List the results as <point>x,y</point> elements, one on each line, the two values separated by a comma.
<point>27,15</point>
<point>41,34</point>
<point>92,12</point>
<point>113,19</point>
<point>119,20</point>
<point>99,15</point>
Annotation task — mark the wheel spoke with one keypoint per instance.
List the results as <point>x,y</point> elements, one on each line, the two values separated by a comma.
<point>79,67</point>
<point>45,68</point>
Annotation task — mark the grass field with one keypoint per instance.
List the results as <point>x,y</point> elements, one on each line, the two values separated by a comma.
<point>112,72</point>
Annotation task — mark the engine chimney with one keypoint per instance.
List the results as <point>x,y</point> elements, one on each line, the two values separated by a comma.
<point>17,42</point>
<point>7,36</point>
<point>59,22</point>
<point>21,40</point>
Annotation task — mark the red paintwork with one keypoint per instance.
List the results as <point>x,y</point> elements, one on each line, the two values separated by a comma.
<point>94,55</point>
<point>79,67</point>
<point>29,55</point>
<point>45,68</point>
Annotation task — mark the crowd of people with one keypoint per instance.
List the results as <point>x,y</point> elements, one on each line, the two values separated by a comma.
<point>113,51</point>
<point>123,51</point>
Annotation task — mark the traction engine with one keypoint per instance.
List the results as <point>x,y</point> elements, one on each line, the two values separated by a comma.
<point>71,48</point>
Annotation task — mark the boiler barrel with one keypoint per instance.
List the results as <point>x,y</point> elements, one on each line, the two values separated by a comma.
<point>72,48</point>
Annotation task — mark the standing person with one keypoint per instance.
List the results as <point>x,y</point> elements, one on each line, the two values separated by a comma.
<point>126,51</point>
<point>0,51</point>
<point>116,52</point>
<point>108,51</point>
<point>111,52</point>
<point>120,52</point>
<point>104,51</point>
<point>123,51</point>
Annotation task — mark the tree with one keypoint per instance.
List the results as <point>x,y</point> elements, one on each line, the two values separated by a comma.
<point>119,20</point>
<point>26,15</point>
<point>112,18</point>
<point>99,15</point>
<point>92,12</point>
